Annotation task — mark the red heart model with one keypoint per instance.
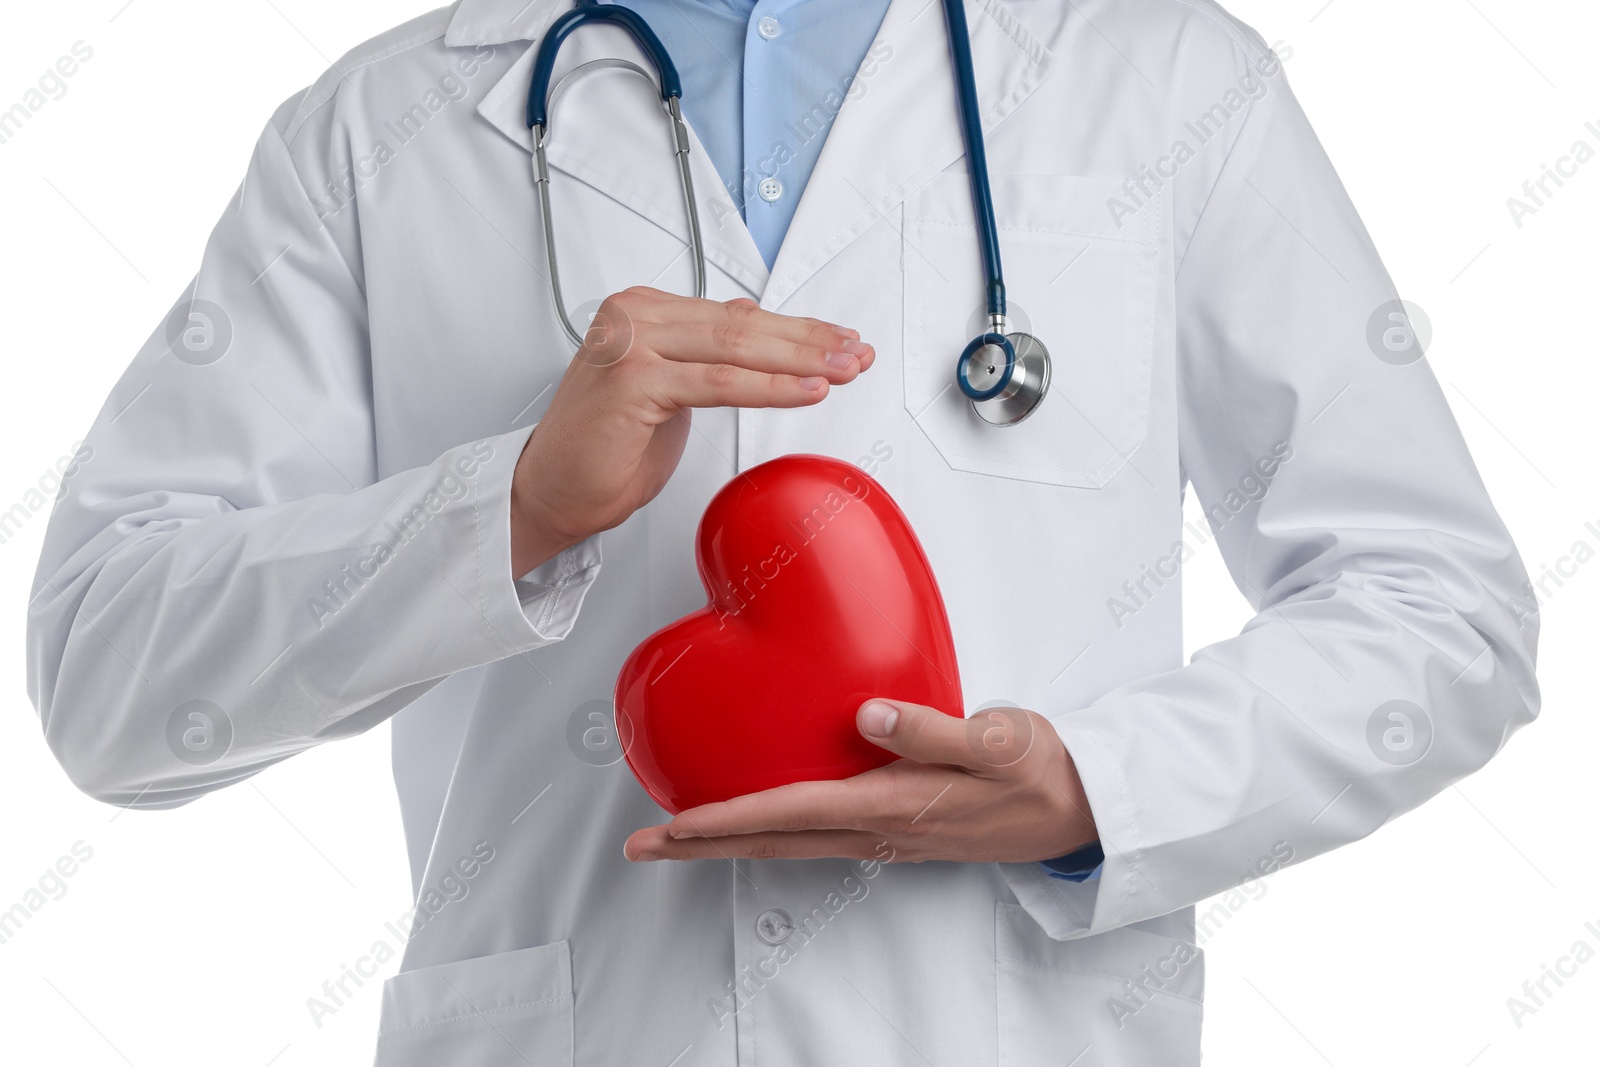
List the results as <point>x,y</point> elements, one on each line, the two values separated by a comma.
<point>820,598</point>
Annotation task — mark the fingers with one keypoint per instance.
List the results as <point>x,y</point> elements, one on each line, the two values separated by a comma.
<point>711,385</point>
<point>738,319</point>
<point>748,315</point>
<point>702,353</point>
<point>836,358</point>
<point>848,805</point>
<point>926,735</point>
<point>653,844</point>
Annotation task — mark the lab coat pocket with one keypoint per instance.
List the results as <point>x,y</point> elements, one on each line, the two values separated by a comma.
<point>1079,279</point>
<point>1125,998</point>
<point>505,1010</point>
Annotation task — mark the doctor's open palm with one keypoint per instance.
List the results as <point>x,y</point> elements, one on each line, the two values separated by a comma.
<point>619,420</point>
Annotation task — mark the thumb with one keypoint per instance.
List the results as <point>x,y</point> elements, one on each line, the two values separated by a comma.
<point>922,734</point>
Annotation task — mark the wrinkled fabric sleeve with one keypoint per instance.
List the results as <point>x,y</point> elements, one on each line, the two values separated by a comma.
<point>226,581</point>
<point>1393,649</point>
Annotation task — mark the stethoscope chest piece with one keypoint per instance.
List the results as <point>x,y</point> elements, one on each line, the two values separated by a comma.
<point>1004,376</point>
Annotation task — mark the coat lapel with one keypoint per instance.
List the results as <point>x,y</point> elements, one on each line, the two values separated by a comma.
<point>608,131</point>
<point>899,129</point>
<point>902,127</point>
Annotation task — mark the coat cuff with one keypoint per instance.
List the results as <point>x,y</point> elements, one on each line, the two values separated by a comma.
<point>1066,909</point>
<point>542,606</point>
<point>552,593</point>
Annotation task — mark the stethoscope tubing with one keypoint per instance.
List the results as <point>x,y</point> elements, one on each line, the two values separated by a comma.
<point>955,16</point>
<point>544,63</point>
<point>541,99</point>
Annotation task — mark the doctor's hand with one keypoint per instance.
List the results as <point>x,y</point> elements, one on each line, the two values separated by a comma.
<point>997,787</point>
<point>619,420</point>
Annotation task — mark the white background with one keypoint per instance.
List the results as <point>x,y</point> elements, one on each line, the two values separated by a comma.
<point>196,936</point>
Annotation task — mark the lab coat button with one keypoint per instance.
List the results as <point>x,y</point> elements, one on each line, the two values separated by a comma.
<point>774,926</point>
<point>770,189</point>
<point>768,27</point>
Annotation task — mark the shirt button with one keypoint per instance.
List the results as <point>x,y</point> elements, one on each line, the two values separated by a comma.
<point>770,189</point>
<point>768,27</point>
<point>774,926</point>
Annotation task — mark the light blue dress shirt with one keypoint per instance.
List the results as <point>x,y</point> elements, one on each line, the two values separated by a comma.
<point>763,81</point>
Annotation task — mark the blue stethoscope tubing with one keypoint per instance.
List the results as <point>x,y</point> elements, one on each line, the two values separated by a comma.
<point>1009,386</point>
<point>538,118</point>
<point>544,64</point>
<point>955,16</point>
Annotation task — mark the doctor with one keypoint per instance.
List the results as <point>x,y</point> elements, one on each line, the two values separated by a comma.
<point>358,475</point>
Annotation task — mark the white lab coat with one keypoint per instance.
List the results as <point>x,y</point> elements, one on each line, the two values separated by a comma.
<point>295,512</point>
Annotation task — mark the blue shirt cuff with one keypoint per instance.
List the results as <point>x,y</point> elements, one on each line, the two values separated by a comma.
<point>1078,866</point>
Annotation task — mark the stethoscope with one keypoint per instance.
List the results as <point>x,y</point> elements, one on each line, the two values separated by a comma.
<point>1004,373</point>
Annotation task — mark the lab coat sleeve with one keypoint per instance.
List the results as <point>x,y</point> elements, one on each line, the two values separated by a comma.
<point>225,580</point>
<point>1393,649</point>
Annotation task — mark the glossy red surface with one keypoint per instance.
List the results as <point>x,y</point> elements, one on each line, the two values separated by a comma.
<point>820,598</point>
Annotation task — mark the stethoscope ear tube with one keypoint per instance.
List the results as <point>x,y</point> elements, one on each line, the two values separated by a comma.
<point>541,98</point>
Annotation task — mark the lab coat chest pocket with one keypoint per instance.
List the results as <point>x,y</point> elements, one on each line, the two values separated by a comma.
<point>493,1011</point>
<point>1078,279</point>
<point>1126,998</point>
